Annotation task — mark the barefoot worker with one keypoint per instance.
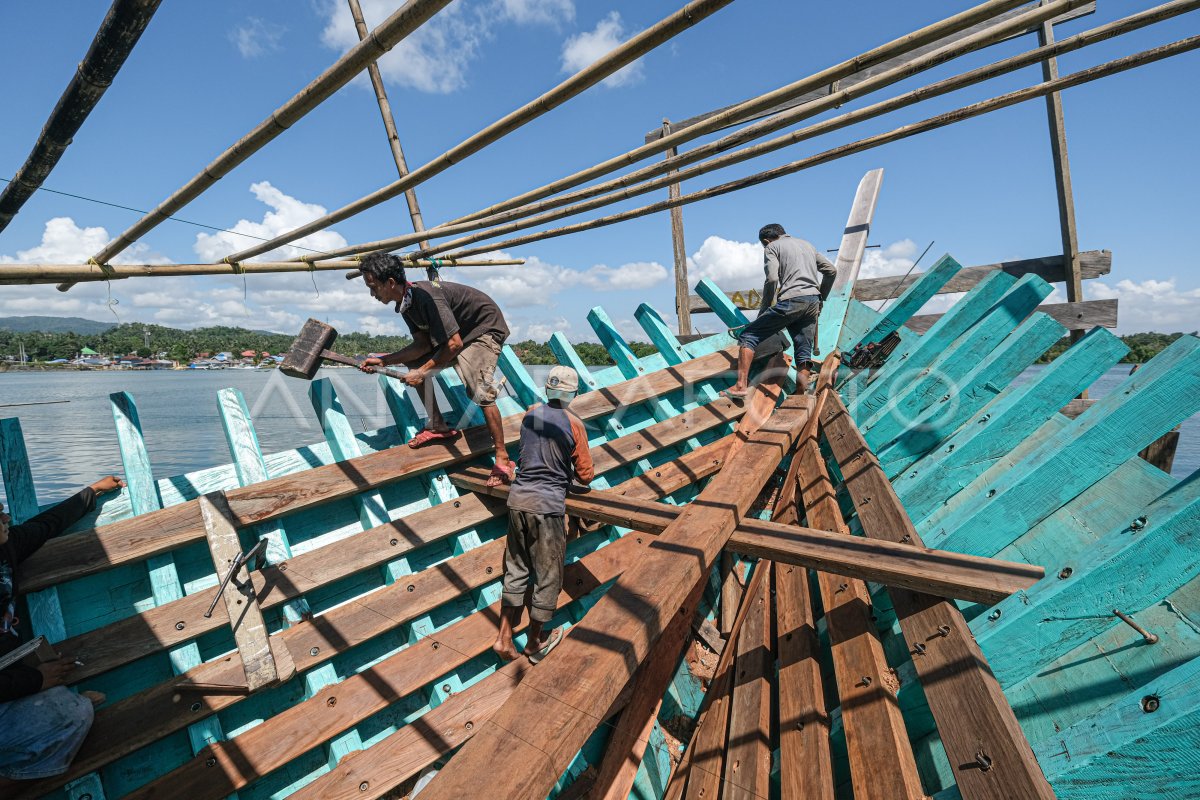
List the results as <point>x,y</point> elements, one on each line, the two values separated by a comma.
<point>42,722</point>
<point>798,278</point>
<point>554,447</point>
<point>451,324</point>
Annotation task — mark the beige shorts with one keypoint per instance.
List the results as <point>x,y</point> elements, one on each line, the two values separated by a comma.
<point>476,366</point>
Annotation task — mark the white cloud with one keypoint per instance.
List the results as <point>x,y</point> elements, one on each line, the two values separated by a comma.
<point>537,283</point>
<point>732,265</point>
<point>256,37</point>
<point>288,213</point>
<point>584,49</point>
<point>895,259</point>
<point>1149,305</point>
<point>526,12</point>
<point>64,242</point>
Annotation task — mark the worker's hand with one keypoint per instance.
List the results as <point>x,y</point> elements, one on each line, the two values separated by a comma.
<point>108,484</point>
<point>415,377</point>
<point>55,673</point>
<point>369,364</point>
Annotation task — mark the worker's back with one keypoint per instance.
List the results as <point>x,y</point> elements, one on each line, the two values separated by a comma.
<point>550,439</point>
<point>801,268</point>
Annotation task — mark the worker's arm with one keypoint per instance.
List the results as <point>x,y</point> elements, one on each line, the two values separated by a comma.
<point>443,356</point>
<point>771,269</point>
<point>420,347</point>
<point>828,272</point>
<point>581,453</point>
<point>30,535</point>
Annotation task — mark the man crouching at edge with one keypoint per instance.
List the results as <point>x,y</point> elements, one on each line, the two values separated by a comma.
<point>554,447</point>
<point>451,325</point>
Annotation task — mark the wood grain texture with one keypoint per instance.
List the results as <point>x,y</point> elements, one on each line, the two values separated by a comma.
<point>973,715</point>
<point>1080,316</point>
<point>748,752</point>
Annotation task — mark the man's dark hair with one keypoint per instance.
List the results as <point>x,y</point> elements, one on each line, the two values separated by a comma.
<point>769,233</point>
<point>382,266</point>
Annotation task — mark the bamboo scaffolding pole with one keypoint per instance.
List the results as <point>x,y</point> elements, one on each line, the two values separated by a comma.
<point>942,120</point>
<point>783,120</point>
<point>617,58</point>
<point>395,28</point>
<point>123,25</point>
<point>13,274</point>
<point>389,122</point>
<point>948,52</point>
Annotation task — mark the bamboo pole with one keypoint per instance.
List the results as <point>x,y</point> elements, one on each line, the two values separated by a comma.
<point>792,116</point>
<point>404,21</point>
<point>389,122</point>
<point>942,120</point>
<point>114,41</point>
<point>12,274</point>
<point>619,57</point>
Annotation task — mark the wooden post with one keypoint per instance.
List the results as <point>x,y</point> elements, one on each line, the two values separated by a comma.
<point>682,306</point>
<point>1062,176</point>
<point>389,125</point>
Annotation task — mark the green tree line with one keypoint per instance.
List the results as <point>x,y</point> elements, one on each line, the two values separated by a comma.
<point>181,345</point>
<point>1142,347</point>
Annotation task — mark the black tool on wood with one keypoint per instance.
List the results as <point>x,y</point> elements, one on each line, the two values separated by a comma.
<point>304,357</point>
<point>245,587</point>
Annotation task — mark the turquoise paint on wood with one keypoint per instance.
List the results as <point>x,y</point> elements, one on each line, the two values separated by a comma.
<point>1151,555</point>
<point>1012,417</point>
<point>1152,401</point>
<point>976,389</point>
<point>45,610</point>
<point>882,423</point>
<point>164,578</point>
<point>529,393</point>
<point>899,310</point>
<point>729,314</point>
<point>916,352</point>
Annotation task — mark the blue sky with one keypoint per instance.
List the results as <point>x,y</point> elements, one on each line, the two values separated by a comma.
<point>206,73</point>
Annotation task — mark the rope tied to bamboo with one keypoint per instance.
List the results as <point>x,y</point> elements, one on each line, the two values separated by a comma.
<point>234,265</point>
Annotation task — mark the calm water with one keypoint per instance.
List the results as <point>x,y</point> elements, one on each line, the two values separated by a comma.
<point>72,443</point>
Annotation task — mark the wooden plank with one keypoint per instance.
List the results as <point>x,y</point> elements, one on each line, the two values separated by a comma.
<point>941,572</point>
<point>907,304</point>
<point>1081,316</point>
<point>93,551</point>
<point>849,259</point>
<point>748,753</point>
<point>1146,405</point>
<point>678,250</point>
<point>601,653</point>
<point>1093,264</point>
<point>881,760</point>
<point>977,727</point>
<point>249,627</point>
<point>855,78</point>
<point>133,722</point>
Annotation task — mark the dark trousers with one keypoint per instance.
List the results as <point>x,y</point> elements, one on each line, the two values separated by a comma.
<point>535,551</point>
<point>797,314</point>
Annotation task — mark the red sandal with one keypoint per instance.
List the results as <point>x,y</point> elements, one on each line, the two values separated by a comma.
<point>427,436</point>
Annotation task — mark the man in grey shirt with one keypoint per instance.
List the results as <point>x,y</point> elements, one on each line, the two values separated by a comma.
<point>798,278</point>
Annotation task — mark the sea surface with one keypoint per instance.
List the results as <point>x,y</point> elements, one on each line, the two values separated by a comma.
<point>73,442</point>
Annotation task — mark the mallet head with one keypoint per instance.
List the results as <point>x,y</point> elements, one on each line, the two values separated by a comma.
<point>303,358</point>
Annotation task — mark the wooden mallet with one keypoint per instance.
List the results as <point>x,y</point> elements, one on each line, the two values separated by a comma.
<point>312,345</point>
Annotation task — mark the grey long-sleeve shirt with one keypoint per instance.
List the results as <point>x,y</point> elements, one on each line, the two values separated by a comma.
<point>794,268</point>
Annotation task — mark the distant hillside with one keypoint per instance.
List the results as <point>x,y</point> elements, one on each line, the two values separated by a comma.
<point>86,327</point>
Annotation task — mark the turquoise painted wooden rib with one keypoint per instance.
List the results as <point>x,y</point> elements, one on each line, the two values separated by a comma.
<point>45,610</point>
<point>883,423</point>
<point>1012,417</point>
<point>1123,570</point>
<point>529,393</point>
<point>1131,743</point>
<point>917,352</point>
<point>674,352</point>
<point>729,314</point>
<point>976,389</point>
<point>899,310</point>
<point>1146,405</point>
<point>164,578</point>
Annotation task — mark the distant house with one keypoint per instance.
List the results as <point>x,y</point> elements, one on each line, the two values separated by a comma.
<point>87,351</point>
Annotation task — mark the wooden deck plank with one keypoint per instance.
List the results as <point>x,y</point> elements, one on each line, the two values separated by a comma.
<point>974,719</point>
<point>92,551</point>
<point>1147,404</point>
<point>1081,316</point>
<point>748,751</point>
<point>601,653</point>
<point>882,766</point>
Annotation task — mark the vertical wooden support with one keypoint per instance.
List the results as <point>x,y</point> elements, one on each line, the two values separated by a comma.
<point>45,610</point>
<point>389,125</point>
<point>251,468</point>
<point>1062,175</point>
<point>165,585</point>
<point>748,757</point>
<point>849,259</point>
<point>683,309</point>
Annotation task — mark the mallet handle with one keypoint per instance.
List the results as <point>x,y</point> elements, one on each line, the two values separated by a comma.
<point>329,355</point>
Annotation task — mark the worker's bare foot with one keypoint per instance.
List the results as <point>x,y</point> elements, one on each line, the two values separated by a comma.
<point>505,649</point>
